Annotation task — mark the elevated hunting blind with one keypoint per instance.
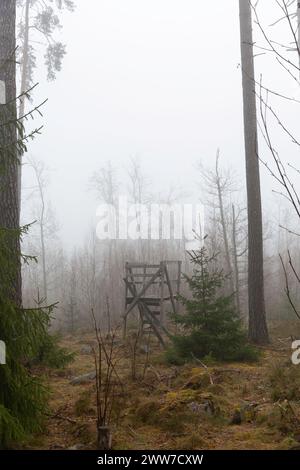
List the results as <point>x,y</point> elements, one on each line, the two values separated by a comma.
<point>151,289</point>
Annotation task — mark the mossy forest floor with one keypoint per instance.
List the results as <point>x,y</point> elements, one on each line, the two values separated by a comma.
<point>223,406</point>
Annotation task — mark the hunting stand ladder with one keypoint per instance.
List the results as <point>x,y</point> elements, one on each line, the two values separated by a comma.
<point>149,288</point>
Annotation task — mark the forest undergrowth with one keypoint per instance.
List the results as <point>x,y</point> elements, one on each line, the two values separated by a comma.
<point>207,405</point>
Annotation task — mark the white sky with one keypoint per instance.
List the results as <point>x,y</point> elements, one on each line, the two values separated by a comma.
<point>154,78</point>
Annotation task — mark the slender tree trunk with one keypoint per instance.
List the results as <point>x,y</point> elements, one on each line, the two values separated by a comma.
<point>9,204</point>
<point>39,179</point>
<point>42,233</point>
<point>24,73</point>
<point>223,224</point>
<point>258,331</point>
<point>43,256</point>
<point>235,262</point>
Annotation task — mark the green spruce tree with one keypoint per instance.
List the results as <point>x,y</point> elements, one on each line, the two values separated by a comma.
<point>210,324</point>
<point>25,332</point>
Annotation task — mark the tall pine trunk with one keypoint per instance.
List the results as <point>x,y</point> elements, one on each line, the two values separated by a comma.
<point>23,89</point>
<point>9,203</point>
<point>258,331</point>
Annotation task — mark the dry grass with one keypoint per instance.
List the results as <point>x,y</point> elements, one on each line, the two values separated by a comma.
<point>176,407</point>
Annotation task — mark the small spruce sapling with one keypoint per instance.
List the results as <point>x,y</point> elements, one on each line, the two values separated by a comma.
<point>210,325</point>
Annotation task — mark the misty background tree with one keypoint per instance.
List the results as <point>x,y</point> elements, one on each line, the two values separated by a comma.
<point>38,23</point>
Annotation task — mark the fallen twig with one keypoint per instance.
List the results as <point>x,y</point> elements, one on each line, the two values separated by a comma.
<point>205,367</point>
<point>63,418</point>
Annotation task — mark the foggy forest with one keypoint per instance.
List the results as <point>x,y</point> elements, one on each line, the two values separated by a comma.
<point>149,226</point>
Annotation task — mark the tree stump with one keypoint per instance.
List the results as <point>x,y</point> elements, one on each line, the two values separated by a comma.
<point>104,438</point>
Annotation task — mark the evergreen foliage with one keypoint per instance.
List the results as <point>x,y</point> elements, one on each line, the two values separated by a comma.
<point>22,396</point>
<point>25,332</point>
<point>50,354</point>
<point>210,326</point>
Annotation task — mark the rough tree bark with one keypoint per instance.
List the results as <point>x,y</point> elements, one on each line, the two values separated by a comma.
<point>24,72</point>
<point>9,204</point>
<point>24,66</point>
<point>258,331</point>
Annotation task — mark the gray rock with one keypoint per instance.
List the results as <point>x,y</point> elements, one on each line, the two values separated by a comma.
<point>76,447</point>
<point>86,349</point>
<point>82,379</point>
<point>206,407</point>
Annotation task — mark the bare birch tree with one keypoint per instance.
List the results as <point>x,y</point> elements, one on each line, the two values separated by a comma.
<point>38,22</point>
<point>39,172</point>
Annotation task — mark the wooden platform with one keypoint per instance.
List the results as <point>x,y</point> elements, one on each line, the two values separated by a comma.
<point>152,285</point>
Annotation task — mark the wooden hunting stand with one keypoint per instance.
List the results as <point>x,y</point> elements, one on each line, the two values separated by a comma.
<point>149,288</point>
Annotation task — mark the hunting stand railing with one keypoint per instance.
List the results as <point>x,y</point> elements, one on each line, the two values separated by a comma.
<point>149,288</point>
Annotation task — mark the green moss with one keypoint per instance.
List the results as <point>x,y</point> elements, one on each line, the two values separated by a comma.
<point>83,404</point>
<point>164,416</point>
<point>174,400</point>
<point>146,412</point>
<point>289,443</point>
<point>200,379</point>
<point>216,389</point>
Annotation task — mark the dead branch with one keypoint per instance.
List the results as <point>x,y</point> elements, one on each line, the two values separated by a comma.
<point>287,289</point>
<point>205,367</point>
